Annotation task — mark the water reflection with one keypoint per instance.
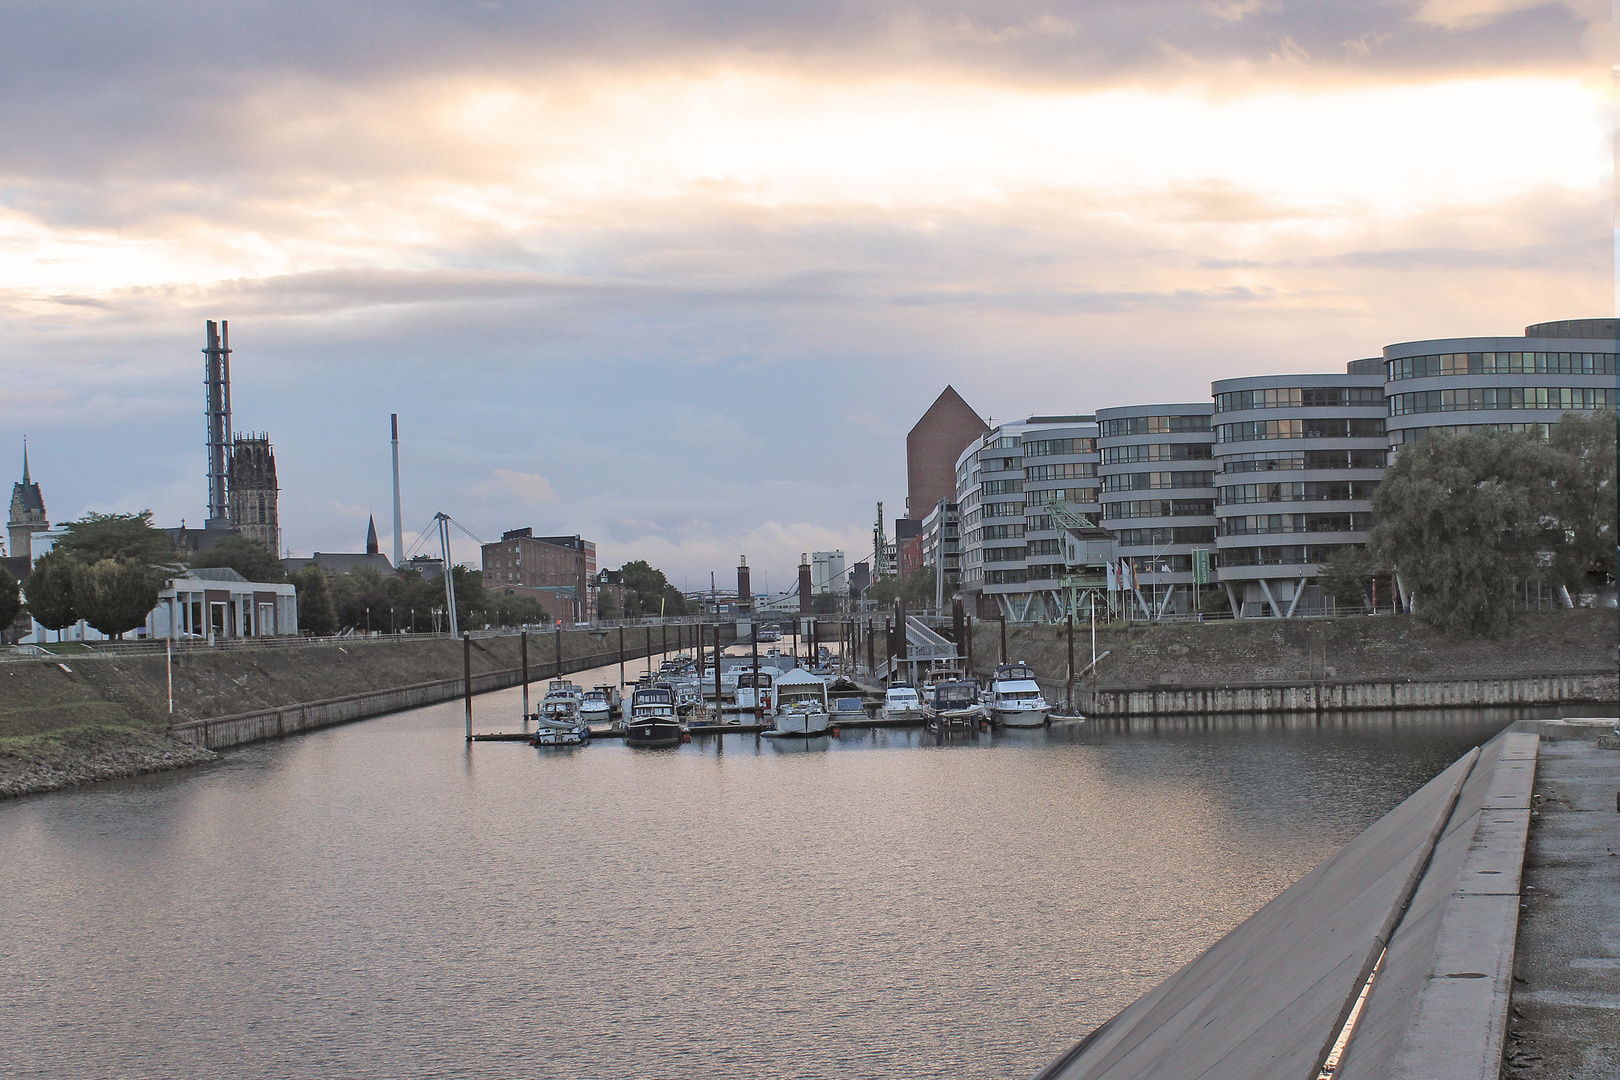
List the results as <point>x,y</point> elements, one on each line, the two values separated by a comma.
<point>384,900</point>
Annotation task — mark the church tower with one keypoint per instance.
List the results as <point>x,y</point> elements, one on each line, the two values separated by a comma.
<point>371,536</point>
<point>27,514</point>
<point>253,490</point>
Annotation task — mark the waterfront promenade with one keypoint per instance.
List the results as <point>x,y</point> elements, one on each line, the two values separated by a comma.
<point>1404,955</point>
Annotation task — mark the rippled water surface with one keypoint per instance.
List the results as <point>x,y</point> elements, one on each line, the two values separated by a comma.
<point>381,900</point>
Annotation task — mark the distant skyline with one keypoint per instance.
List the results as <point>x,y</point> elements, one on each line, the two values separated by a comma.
<point>679,278</point>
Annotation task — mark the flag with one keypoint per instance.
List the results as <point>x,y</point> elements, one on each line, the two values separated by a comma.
<point>1113,578</point>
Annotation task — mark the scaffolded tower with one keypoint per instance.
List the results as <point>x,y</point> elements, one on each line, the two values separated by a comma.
<point>218,352</point>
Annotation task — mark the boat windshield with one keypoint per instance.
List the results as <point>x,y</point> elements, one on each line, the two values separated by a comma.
<point>1021,695</point>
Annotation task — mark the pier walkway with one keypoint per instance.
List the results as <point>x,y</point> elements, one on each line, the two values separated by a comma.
<point>1395,959</point>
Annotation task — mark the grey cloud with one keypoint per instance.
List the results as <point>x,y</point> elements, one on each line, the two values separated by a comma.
<point>119,88</point>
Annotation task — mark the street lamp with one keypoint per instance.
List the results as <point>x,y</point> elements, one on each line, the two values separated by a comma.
<point>368,620</point>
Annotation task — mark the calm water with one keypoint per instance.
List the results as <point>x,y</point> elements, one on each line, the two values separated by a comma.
<point>380,900</point>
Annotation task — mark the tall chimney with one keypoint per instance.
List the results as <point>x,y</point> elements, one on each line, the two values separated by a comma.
<point>218,382</point>
<point>804,583</point>
<point>399,524</point>
<point>745,592</point>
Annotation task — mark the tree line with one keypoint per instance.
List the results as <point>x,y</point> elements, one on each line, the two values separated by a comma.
<point>108,569</point>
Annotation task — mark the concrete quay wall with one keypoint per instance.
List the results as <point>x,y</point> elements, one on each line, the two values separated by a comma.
<point>222,732</point>
<point>1339,696</point>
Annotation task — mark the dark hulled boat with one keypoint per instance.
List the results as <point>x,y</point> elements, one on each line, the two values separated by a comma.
<point>653,720</point>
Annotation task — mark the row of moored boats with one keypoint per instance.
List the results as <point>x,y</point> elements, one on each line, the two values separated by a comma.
<point>797,702</point>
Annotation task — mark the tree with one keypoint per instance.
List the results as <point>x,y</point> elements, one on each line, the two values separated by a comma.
<point>1585,499</point>
<point>1463,519</point>
<point>1344,575</point>
<point>315,613</point>
<point>10,600</point>
<point>247,556</point>
<point>824,603</point>
<point>95,537</point>
<point>115,595</point>
<point>648,592</point>
<point>50,592</point>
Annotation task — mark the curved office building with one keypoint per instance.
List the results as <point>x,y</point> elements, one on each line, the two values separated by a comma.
<point>1158,496</point>
<point>1297,459</point>
<point>1500,383</point>
<point>1012,556</point>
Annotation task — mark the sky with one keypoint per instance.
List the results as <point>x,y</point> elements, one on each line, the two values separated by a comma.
<point>679,276</point>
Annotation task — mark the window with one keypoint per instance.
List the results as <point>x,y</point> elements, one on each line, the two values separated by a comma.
<point>1048,447</point>
<point>1072,470</point>
<point>1124,455</point>
<point>1009,509</point>
<point>1156,480</point>
<point>1561,398</point>
<point>1296,491</point>
<point>1043,547</point>
<point>1003,532</point>
<point>1004,554</point>
<point>1501,363</point>
<point>1252,524</point>
<point>1282,555</point>
<point>1160,508</point>
<point>1285,460</point>
<point>1299,397</point>
<point>1185,534</point>
<point>1152,425</point>
<point>1311,428</point>
<point>1000,487</point>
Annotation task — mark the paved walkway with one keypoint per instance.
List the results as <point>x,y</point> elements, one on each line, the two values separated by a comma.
<point>1565,1019</point>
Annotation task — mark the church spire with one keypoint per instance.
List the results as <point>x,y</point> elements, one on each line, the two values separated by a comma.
<point>25,460</point>
<point>371,537</point>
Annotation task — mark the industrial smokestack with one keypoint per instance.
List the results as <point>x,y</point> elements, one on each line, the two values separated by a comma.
<point>218,381</point>
<point>399,524</point>
<point>805,586</point>
<point>745,591</point>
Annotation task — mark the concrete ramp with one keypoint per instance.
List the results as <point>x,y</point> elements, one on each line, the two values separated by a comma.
<point>1269,999</point>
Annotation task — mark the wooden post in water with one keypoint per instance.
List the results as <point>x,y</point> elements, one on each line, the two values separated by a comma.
<point>970,672</point>
<point>1003,637</point>
<point>871,652</point>
<point>649,650</point>
<point>815,642</point>
<point>466,673</point>
<point>664,630</point>
<point>621,656</point>
<point>557,674</point>
<point>753,638</point>
<point>717,701</point>
<point>524,649</point>
<point>1068,693</point>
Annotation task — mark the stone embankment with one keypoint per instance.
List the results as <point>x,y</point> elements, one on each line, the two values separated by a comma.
<point>1315,665</point>
<point>81,717</point>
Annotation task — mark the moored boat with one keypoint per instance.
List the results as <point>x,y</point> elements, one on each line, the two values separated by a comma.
<point>955,705</point>
<point>755,691</point>
<point>902,703</point>
<point>653,720</point>
<point>1015,697</point>
<point>801,707</point>
<point>595,707</point>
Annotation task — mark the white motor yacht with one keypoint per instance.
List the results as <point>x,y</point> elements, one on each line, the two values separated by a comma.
<point>801,704</point>
<point>1015,698</point>
<point>902,703</point>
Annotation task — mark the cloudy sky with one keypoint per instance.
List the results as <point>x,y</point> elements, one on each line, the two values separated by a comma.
<point>678,275</point>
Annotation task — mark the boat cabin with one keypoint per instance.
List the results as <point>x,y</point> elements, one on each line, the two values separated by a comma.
<point>949,696</point>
